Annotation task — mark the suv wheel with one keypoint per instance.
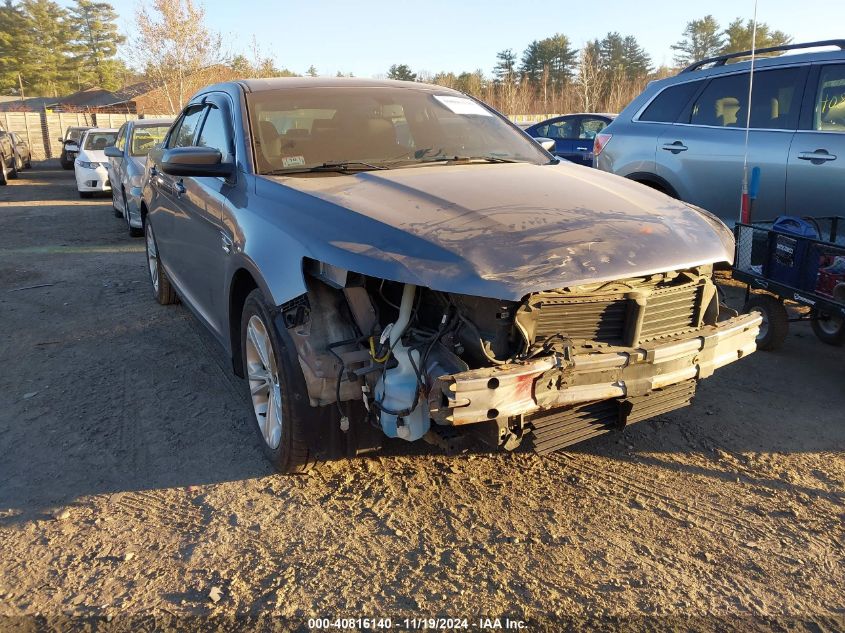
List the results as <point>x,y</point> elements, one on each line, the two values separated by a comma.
<point>4,180</point>
<point>277,388</point>
<point>162,289</point>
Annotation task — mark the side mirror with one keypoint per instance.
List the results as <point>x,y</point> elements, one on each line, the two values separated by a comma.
<point>547,144</point>
<point>195,161</point>
<point>112,152</point>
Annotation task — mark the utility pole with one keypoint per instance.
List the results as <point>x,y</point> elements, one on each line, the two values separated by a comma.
<point>20,83</point>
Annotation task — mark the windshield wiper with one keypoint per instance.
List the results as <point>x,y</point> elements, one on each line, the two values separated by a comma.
<point>340,166</point>
<point>456,160</point>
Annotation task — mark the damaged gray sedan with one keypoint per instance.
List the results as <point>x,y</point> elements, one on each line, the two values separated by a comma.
<point>397,257</point>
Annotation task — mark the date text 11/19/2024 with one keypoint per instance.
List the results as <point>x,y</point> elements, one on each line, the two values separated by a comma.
<point>418,624</point>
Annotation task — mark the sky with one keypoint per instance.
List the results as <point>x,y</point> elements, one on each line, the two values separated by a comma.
<point>366,37</point>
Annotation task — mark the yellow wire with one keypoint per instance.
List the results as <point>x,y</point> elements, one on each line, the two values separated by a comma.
<point>373,352</point>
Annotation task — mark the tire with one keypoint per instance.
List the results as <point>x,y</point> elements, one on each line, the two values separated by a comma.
<point>28,163</point>
<point>19,163</point>
<point>86,194</point>
<point>163,291</point>
<point>274,376</point>
<point>13,170</point>
<point>4,180</point>
<point>775,324</point>
<point>828,329</point>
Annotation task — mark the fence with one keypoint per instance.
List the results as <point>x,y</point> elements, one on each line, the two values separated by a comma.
<point>42,130</point>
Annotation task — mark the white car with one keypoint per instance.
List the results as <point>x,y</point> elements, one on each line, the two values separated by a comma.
<point>91,166</point>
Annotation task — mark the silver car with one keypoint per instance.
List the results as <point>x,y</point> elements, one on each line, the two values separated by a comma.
<point>685,135</point>
<point>126,167</point>
<point>398,256</point>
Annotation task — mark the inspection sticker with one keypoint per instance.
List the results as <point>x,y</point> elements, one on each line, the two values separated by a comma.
<point>462,105</point>
<point>293,161</point>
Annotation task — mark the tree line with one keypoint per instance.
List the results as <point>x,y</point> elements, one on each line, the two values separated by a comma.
<point>551,75</point>
<point>49,50</point>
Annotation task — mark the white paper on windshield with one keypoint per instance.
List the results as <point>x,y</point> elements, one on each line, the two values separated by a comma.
<point>462,105</point>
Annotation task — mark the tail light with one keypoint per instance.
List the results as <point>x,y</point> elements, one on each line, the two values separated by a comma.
<point>600,141</point>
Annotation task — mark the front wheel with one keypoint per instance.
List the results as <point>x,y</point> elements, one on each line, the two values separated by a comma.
<point>162,289</point>
<point>828,328</point>
<point>4,180</point>
<point>775,325</point>
<point>277,388</point>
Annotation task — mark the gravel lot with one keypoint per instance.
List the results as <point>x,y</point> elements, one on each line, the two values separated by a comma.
<point>132,485</point>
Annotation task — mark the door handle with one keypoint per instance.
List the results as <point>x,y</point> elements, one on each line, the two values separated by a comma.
<point>179,188</point>
<point>226,243</point>
<point>675,147</point>
<point>819,156</point>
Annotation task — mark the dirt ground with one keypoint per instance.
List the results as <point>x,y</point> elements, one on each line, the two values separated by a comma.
<point>133,490</point>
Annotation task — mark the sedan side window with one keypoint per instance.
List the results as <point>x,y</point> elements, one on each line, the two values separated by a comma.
<point>591,127</point>
<point>215,133</point>
<point>562,129</point>
<point>185,131</point>
<point>829,114</point>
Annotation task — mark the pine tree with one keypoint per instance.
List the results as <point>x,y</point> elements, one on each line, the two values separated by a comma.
<point>505,69</point>
<point>95,47</point>
<point>739,36</point>
<point>312,71</point>
<point>550,62</point>
<point>401,72</point>
<point>46,67</point>
<point>702,39</point>
<point>12,26</point>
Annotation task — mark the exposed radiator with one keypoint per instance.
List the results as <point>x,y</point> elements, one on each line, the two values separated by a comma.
<point>618,319</point>
<point>554,430</point>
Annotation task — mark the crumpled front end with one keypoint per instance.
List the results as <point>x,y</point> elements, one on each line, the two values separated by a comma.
<point>559,366</point>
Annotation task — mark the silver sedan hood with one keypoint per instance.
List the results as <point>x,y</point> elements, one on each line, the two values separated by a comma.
<point>500,230</point>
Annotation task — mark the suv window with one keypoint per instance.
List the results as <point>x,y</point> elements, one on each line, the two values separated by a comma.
<point>829,114</point>
<point>667,106</point>
<point>774,101</point>
<point>185,131</point>
<point>215,133</point>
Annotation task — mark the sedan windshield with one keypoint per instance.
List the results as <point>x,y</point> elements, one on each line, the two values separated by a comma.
<point>99,140</point>
<point>359,128</point>
<point>145,138</point>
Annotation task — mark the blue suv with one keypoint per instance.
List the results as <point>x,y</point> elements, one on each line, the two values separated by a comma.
<point>685,135</point>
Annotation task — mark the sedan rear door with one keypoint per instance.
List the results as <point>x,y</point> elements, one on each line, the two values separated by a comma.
<point>816,170</point>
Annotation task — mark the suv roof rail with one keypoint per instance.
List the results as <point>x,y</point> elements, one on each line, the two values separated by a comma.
<point>720,60</point>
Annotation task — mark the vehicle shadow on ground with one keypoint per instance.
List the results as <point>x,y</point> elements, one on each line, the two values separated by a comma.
<point>192,426</point>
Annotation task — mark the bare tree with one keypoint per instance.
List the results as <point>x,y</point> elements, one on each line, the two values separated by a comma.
<point>171,43</point>
<point>590,79</point>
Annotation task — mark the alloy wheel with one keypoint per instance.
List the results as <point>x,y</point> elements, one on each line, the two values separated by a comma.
<point>264,387</point>
<point>152,257</point>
